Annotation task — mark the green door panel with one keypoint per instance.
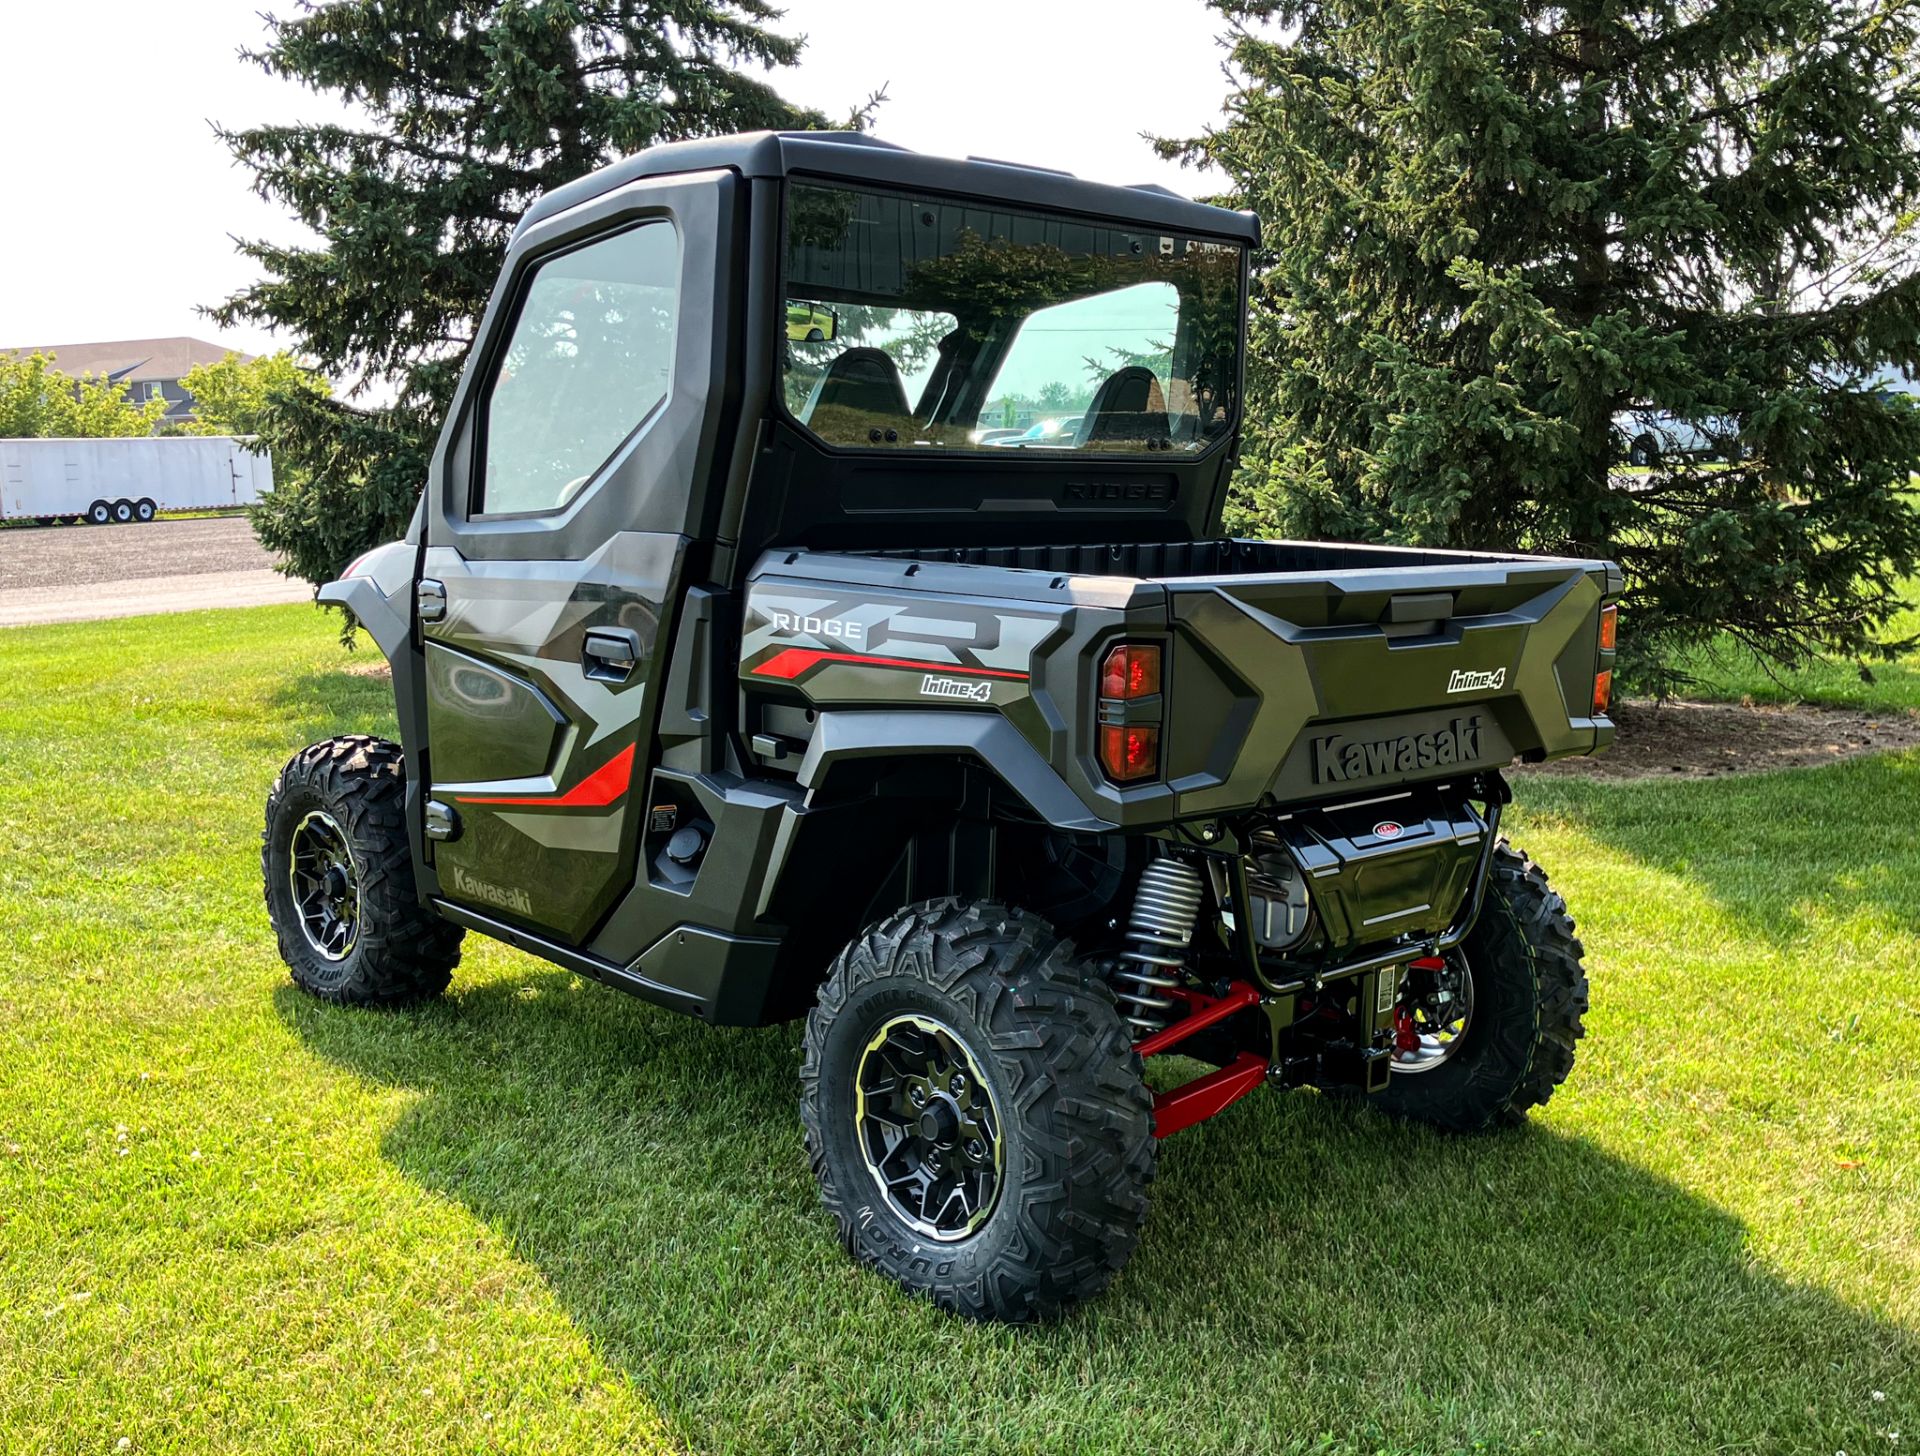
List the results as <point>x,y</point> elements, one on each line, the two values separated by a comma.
<point>487,724</point>
<point>540,755</point>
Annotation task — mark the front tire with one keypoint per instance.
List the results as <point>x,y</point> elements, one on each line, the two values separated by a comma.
<point>1520,976</point>
<point>975,1113</point>
<point>339,879</point>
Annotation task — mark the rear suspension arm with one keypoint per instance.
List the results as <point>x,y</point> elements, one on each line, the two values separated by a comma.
<point>1201,1098</point>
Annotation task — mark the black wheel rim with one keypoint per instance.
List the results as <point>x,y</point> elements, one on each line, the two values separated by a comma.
<point>325,883</point>
<point>927,1126</point>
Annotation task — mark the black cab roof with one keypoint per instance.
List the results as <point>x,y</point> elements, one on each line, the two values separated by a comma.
<point>856,157</point>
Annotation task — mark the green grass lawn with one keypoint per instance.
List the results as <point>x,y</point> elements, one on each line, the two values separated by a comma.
<point>542,1217</point>
<point>1725,671</point>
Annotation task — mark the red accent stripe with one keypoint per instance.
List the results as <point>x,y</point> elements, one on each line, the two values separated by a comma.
<point>597,790</point>
<point>796,660</point>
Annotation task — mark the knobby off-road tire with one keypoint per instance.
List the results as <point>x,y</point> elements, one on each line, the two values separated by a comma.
<point>1529,993</point>
<point>1074,1119</point>
<point>398,950</point>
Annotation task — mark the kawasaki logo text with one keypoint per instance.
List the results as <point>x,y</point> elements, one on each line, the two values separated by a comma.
<point>475,888</point>
<point>1338,759</point>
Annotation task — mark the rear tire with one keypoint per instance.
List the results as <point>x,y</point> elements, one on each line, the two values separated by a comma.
<point>122,512</point>
<point>1528,994</point>
<point>338,873</point>
<point>100,513</point>
<point>996,997</point>
<point>144,510</point>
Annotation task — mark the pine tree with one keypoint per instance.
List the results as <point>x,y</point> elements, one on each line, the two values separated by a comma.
<point>1506,241</point>
<point>469,110</point>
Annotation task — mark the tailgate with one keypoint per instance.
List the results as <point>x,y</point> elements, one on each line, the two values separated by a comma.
<point>1311,686</point>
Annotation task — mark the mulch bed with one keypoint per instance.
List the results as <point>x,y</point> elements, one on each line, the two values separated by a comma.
<point>1687,740</point>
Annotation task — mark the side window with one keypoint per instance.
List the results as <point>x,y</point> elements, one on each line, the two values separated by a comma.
<point>590,356</point>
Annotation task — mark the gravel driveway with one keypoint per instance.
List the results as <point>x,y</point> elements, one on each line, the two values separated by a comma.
<point>79,573</point>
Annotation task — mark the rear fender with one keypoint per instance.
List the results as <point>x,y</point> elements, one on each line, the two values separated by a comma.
<point>841,739</point>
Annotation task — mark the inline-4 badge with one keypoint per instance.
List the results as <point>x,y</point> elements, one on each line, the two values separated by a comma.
<point>1466,681</point>
<point>952,687</point>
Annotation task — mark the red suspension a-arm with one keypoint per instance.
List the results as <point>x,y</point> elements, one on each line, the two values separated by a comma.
<point>1201,1098</point>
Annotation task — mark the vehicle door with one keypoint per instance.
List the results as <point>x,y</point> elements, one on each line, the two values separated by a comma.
<point>555,534</point>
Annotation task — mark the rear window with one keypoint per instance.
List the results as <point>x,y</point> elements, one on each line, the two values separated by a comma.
<point>921,322</point>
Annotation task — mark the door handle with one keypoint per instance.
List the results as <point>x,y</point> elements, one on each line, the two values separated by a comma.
<point>610,654</point>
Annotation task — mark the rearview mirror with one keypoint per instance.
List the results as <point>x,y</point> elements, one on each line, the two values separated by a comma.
<point>810,323</point>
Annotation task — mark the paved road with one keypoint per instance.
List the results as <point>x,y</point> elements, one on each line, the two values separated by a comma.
<point>79,573</point>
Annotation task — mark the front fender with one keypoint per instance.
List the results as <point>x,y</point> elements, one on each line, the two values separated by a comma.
<point>377,590</point>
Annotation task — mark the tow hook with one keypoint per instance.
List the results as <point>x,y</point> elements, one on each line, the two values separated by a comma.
<point>1406,1034</point>
<point>1406,1040</point>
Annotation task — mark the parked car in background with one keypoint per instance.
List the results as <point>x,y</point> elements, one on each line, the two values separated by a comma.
<point>1059,433</point>
<point>1656,435</point>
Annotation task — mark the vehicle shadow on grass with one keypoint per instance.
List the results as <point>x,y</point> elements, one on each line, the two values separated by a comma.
<point>357,698</point>
<point>1778,851</point>
<point>1308,1267</point>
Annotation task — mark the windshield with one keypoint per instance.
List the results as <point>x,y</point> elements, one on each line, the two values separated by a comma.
<point>920,322</point>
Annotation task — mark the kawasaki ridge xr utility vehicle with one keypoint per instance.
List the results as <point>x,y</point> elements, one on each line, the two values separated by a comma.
<point>818,607</point>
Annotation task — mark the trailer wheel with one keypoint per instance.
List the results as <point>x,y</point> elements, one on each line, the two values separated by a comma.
<point>144,510</point>
<point>99,513</point>
<point>122,512</point>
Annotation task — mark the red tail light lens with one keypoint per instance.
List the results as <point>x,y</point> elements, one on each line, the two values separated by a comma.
<point>1609,627</point>
<point>1602,691</point>
<point>1130,671</point>
<point>1129,751</point>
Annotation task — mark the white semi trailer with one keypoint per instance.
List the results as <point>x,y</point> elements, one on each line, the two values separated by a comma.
<point>106,481</point>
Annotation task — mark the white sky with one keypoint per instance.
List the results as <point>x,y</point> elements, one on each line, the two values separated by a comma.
<point>118,206</point>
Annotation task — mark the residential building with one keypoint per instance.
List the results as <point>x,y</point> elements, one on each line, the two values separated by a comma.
<point>151,368</point>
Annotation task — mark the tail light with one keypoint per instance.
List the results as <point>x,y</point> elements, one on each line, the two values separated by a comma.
<point>1132,670</point>
<point>1129,732</point>
<point>1129,751</point>
<point>1603,675</point>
